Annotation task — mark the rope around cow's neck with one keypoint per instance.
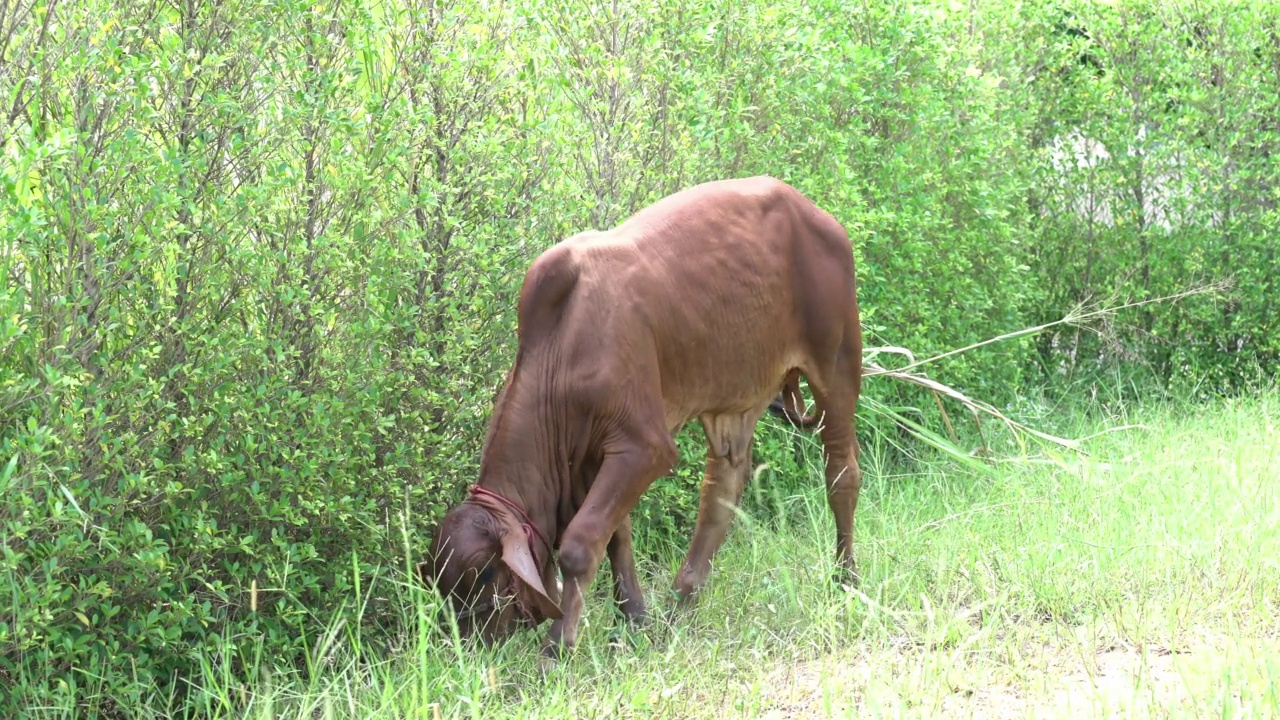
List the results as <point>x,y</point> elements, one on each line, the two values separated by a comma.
<point>529,528</point>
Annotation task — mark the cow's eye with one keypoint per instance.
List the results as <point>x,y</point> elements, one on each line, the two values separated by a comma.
<point>486,576</point>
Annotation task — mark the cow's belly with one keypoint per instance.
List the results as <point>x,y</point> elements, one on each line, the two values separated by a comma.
<point>741,387</point>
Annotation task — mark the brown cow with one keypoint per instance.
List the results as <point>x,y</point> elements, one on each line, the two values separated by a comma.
<point>700,306</point>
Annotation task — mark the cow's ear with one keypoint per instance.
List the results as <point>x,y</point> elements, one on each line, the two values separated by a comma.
<point>517,556</point>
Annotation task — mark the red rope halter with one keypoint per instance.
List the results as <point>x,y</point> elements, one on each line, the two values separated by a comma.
<point>530,530</point>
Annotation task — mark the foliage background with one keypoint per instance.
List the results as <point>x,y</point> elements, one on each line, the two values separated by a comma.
<point>259,257</point>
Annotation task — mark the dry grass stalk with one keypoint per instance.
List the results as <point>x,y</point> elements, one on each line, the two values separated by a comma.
<point>1079,316</point>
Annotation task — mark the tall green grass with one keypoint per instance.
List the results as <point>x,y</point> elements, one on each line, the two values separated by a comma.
<point>1142,579</point>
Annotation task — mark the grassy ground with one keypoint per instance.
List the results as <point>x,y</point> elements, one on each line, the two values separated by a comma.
<point>1143,581</point>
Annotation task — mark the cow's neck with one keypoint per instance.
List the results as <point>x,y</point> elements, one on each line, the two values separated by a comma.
<point>526,455</point>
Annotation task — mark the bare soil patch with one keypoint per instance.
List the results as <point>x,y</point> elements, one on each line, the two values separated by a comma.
<point>1053,679</point>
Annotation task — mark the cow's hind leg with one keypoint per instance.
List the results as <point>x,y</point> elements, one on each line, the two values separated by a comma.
<point>836,394</point>
<point>728,468</point>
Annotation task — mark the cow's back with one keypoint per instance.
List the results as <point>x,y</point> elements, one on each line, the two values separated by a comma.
<point>719,290</point>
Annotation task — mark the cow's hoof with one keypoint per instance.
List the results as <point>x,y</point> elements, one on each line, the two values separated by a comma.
<point>549,658</point>
<point>630,631</point>
<point>547,665</point>
<point>847,577</point>
<point>687,603</point>
<point>636,620</point>
<point>684,598</point>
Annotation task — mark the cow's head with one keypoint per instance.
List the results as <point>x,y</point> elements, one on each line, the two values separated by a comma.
<point>482,563</point>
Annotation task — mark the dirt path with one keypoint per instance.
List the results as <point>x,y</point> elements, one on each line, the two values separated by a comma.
<point>1208,677</point>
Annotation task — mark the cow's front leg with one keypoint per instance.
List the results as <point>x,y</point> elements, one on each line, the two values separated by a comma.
<point>625,474</point>
<point>626,584</point>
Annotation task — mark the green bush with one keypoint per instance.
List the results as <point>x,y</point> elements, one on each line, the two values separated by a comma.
<point>1171,111</point>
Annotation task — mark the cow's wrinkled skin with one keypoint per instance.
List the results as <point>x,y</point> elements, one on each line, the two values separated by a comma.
<point>704,305</point>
